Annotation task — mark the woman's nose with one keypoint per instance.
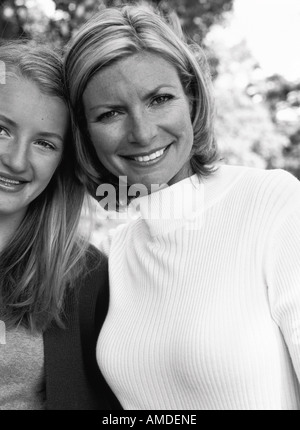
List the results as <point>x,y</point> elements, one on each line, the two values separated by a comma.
<point>16,157</point>
<point>142,129</point>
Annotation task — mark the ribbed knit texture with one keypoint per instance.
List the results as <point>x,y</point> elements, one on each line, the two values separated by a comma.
<point>205,310</point>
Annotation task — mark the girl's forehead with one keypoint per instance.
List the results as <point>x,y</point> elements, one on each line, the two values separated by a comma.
<point>23,103</point>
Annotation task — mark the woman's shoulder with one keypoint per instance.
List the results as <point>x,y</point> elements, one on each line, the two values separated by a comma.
<point>259,173</point>
<point>273,191</point>
<point>278,182</point>
<point>267,190</point>
<point>276,174</point>
<point>275,180</point>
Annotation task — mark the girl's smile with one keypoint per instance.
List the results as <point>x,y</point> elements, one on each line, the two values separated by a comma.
<point>33,126</point>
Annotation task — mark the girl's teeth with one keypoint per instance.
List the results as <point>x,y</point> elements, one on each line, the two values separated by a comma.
<point>9,181</point>
<point>150,157</point>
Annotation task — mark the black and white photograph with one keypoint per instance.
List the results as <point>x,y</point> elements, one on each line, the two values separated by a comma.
<point>150,207</point>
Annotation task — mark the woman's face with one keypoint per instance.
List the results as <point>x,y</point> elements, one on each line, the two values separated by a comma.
<point>33,127</point>
<point>138,118</point>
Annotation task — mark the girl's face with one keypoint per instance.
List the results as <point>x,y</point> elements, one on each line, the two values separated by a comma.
<point>33,127</point>
<point>138,118</point>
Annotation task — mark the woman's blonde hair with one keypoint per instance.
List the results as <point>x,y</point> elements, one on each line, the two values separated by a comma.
<point>41,259</point>
<point>118,32</point>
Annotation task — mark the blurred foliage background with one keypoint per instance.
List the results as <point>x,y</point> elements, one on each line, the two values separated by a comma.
<point>257,115</point>
<point>58,19</point>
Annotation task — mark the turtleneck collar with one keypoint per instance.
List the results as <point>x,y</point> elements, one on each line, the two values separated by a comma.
<point>171,207</point>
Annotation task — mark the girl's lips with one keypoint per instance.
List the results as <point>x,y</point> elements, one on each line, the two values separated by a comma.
<point>10,185</point>
<point>12,179</point>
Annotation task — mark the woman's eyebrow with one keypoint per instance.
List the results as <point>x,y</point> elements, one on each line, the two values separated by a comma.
<point>147,96</point>
<point>153,92</point>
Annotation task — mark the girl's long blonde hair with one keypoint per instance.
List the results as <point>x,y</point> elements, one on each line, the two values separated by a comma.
<point>40,262</point>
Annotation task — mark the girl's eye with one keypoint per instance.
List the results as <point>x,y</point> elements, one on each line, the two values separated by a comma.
<point>107,115</point>
<point>3,131</point>
<point>162,99</point>
<point>45,144</point>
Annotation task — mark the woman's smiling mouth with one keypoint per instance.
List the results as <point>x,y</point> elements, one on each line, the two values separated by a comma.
<point>149,158</point>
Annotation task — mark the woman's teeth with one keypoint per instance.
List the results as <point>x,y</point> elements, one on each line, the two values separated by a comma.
<point>150,157</point>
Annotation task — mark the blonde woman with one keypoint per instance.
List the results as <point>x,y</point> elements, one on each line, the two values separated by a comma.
<point>204,281</point>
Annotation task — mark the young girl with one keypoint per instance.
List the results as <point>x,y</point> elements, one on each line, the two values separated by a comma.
<point>47,305</point>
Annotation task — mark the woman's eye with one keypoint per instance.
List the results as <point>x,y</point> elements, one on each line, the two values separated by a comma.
<point>162,99</point>
<point>107,115</point>
<point>45,144</point>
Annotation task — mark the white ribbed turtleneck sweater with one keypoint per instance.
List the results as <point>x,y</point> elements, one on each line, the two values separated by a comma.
<point>205,310</point>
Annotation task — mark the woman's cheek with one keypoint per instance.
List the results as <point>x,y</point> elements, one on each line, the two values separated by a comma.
<point>100,138</point>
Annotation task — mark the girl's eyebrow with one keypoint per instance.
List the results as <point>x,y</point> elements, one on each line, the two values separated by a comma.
<point>8,120</point>
<point>45,134</point>
<point>50,135</point>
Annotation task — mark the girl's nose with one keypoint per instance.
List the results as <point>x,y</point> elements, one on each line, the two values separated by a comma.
<point>16,157</point>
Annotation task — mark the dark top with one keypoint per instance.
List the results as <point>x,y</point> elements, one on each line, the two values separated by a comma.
<point>73,378</point>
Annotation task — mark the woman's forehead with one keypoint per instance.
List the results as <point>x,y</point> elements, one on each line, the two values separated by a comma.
<point>145,70</point>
